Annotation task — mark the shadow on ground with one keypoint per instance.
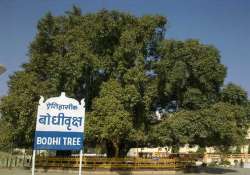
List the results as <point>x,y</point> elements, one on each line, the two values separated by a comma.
<point>210,170</point>
<point>123,172</point>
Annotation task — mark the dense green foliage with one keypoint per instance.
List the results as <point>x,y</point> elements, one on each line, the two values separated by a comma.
<point>190,73</point>
<point>234,94</point>
<point>125,70</point>
<point>218,125</point>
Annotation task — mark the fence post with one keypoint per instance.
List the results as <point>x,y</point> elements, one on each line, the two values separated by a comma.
<point>174,163</point>
<point>7,162</point>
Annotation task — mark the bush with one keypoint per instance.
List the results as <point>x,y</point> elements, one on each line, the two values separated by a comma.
<point>201,150</point>
<point>213,164</point>
<point>225,162</point>
<point>238,150</point>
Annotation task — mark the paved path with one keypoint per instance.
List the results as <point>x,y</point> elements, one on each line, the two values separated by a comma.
<point>206,171</point>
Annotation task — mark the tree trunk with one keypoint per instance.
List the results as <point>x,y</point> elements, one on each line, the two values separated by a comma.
<point>116,146</point>
<point>116,149</point>
<point>110,149</point>
<point>123,149</point>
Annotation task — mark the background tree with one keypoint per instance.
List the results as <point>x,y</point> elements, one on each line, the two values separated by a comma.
<point>19,107</point>
<point>227,123</point>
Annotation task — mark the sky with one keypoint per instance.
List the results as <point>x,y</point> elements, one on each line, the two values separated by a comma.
<point>222,23</point>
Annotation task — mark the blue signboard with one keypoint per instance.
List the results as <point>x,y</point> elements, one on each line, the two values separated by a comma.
<point>60,124</point>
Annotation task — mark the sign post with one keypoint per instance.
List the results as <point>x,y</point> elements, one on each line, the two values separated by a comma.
<point>59,126</point>
<point>33,161</point>
<point>80,165</point>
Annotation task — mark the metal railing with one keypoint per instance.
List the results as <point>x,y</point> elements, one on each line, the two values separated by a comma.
<point>215,156</point>
<point>12,161</point>
<point>113,163</point>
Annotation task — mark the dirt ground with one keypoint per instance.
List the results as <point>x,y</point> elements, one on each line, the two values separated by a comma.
<point>203,171</point>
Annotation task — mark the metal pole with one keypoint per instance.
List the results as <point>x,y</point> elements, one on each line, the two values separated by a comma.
<point>80,165</point>
<point>11,153</point>
<point>33,162</point>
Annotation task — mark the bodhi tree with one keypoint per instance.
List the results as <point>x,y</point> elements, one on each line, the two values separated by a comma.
<point>77,53</point>
<point>124,68</point>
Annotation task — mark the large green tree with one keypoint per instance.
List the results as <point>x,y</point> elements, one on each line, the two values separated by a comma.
<point>77,53</point>
<point>125,69</point>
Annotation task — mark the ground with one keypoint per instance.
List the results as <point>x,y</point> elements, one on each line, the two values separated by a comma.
<point>204,171</point>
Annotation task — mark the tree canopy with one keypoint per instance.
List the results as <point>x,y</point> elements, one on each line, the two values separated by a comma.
<point>125,69</point>
<point>234,95</point>
<point>218,125</point>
